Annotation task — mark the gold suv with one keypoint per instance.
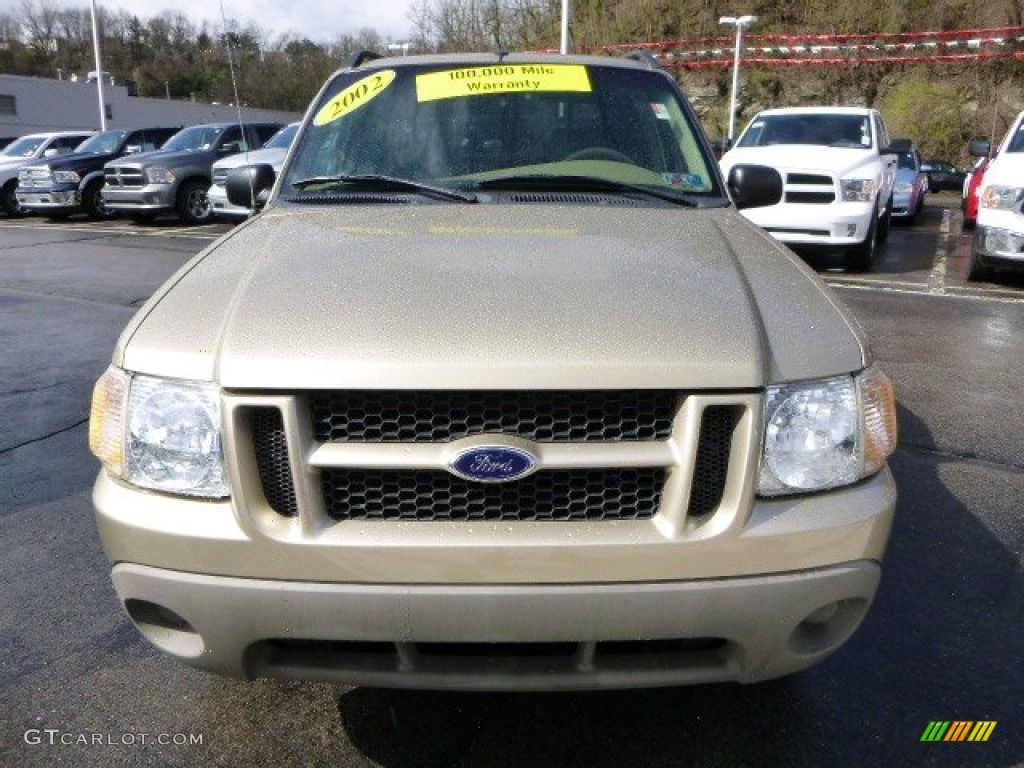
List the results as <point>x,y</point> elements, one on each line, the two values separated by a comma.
<point>498,391</point>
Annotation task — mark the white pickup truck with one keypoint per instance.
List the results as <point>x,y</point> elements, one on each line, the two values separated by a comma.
<point>838,169</point>
<point>999,234</point>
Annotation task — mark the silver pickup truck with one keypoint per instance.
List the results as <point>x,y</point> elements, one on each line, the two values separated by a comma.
<point>176,177</point>
<point>499,391</point>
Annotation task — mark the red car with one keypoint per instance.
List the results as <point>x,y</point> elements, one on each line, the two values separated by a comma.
<point>972,188</point>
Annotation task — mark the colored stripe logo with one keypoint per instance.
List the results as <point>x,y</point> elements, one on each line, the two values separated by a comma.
<point>958,730</point>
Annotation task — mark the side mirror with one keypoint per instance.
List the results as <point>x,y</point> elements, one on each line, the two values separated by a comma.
<point>754,186</point>
<point>720,147</point>
<point>979,147</point>
<point>249,185</point>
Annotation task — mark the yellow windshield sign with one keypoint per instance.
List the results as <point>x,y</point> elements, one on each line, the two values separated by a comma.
<point>501,78</point>
<point>355,96</point>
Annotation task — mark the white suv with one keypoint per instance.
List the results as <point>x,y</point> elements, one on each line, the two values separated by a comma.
<point>838,170</point>
<point>999,232</point>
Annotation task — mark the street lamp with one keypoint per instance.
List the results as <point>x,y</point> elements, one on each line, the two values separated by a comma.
<point>99,69</point>
<point>740,22</point>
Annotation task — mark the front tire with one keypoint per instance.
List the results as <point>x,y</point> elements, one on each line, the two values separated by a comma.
<point>9,202</point>
<point>860,257</point>
<point>193,203</point>
<point>92,201</point>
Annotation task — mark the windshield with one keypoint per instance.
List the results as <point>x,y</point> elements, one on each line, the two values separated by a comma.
<point>907,162</point>
<point>23,147</point>
<point>105,143</point>
<point>1016,142</point>
<point>460,127</point>
<point>196,137</point>
<point>825,129</point>
<point>283,138</point>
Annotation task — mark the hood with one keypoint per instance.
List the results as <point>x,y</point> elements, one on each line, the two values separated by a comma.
<point>77,159</point>
<point>839,161</point>
<point>170,156</point>
<point>1006,168</point>
<point>493,296</point>
<point>273,156</point>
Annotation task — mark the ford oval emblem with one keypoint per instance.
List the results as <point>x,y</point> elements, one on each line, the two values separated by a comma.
<point>493,463</point>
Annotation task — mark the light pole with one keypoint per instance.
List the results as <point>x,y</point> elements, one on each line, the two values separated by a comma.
<point>99,69</point>
<point>739,22</point>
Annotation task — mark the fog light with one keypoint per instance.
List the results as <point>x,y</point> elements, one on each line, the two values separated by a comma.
<point>851,230</point>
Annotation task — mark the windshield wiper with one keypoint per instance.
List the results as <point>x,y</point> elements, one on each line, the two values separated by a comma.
<point>378,182</point>
<point>582,184</point>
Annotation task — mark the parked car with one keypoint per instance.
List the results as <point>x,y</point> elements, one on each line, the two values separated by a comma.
<point>971,191</point>
<point>943,176</point>
<point>27,150</point>
<point>176,177</point>
<point>998,242</point>
<point>70,183</point>
<point>272,153</point>
<point>500,390</point>
<point>911,184</point>
<point>839,172</point>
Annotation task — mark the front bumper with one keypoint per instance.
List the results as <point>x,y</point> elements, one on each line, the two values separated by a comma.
<point>834,225</point>
<point>152,197</point>
<point>222,208</point>
<point>496,605</point>
<point>999,240</point>
<point>50,200</point>
<point>501,637</point>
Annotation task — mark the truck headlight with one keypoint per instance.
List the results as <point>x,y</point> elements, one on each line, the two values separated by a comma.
<point>157,174</point>
<point>159,433</point>
<point>66,177</point>
<point>857,190</point>
<point>1001,197</point>
<point>826,433</point>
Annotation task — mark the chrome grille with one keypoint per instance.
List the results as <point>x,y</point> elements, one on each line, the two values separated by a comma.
<point>595,494</point>
<point>434,417</point>
<point>35,177</point>
<point>124,177</point>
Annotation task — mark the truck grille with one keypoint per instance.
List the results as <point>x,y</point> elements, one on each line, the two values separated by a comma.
<point>123,177</point>
<point>438,496</point>
<point>810,188</point>
<point>29,178</point>
<point>369,436</point>
<point>220,177</point>
<point>433,417</point>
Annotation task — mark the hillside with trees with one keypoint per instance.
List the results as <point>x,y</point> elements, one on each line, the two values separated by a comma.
<point>940,104</point>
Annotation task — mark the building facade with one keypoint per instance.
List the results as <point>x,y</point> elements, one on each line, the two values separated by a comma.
<point>35,104</point>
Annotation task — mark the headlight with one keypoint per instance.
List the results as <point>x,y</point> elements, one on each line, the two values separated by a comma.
<point>903,187</point>
<point>159,433</point>
<point>1001,197</point>
<point>826,433</point>
<point>857,190</point>
<point>159,175</point>
<point>66,177</point>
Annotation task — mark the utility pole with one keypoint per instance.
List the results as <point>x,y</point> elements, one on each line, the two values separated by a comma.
<point>739,22</point>
<point>99,69</point>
